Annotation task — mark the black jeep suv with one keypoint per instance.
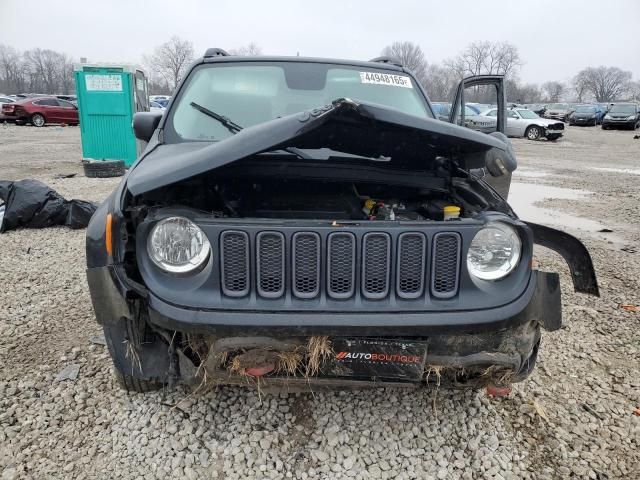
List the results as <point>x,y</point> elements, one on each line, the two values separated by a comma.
<point>309,222</point>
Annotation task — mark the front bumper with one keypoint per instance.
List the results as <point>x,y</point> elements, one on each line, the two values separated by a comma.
<point>619,123</point>
<point>505,337</point>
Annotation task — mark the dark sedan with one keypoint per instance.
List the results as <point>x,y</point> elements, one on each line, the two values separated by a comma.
<point>41,110</point>
<point>587,115</point>
<point>622,115</point>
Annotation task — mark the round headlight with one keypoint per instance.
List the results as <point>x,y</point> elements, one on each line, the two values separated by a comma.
<point>178,245</point>
<point>494,252</point>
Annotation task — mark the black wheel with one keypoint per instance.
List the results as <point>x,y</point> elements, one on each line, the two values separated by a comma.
<point>133,384</point>
<point>38,120</point>
<point>604,127</point>
<point>104,169</point>
<point>140,358</point>
<point>533,132</point>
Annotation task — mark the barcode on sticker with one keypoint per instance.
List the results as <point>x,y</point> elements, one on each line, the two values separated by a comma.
<point>385,79</point>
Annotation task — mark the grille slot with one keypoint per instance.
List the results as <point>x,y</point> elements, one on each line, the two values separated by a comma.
<point>446,265</point>
<point>411,265</point>
<point>234,263</point>
<point>341,262</point>
<point>270,264</point>
<point>376,252</point>
<point>306,264</point>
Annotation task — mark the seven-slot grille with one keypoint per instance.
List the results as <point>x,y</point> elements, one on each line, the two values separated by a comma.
<point>384,265</point>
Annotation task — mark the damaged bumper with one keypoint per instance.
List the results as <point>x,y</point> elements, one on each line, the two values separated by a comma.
<point>504,339</point>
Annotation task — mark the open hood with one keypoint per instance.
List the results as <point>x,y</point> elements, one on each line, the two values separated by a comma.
<point>344,126</point>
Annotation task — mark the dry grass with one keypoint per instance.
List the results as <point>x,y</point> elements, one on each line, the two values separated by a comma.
<point>435,370</point>
<point>289,362</point>
<point>132,354</point>
<point>318,350</point>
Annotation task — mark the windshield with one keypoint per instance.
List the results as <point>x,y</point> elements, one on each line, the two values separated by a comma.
<point>585,109</point>
<point>558,106</point>
<point>528,114</point>
<point>622,109</point>
<point>251,93</point>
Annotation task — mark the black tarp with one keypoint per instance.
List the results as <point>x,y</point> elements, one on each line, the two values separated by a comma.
<point>32,204</point>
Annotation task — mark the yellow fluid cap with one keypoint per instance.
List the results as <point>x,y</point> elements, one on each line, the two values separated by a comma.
<point>452,209</point>
<point>369,203</point>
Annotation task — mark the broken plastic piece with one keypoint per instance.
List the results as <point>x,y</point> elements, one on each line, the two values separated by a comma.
<point>498,392</point>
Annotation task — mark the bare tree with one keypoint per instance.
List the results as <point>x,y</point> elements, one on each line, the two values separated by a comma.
<point>251,49</point>
<point>606,84</point>
<point>634,91</point>
<point>486,58</point>
<point>411,56</point>
<point>553,90</point>
<point>13,70</point>
<point>522,92</point>
<point>170,60</point>
<point>440,83</point>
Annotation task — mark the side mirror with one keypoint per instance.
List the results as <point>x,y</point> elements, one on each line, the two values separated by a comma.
<point>145,123</point>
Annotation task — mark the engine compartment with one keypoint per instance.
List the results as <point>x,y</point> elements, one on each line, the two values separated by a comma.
<point>330,192</point>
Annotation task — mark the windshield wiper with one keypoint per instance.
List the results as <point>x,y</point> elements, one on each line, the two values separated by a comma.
<point>231,126</point>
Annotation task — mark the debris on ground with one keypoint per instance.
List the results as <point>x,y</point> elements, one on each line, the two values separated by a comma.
<point>70,372</point>
<point>32,204</point>
<point>629,307</point>
<point>98,340</point>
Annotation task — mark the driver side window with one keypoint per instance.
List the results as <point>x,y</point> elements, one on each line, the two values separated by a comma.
<point>512,114</point>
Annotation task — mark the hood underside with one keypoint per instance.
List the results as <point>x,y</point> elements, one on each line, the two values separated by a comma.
<point>345,126</point>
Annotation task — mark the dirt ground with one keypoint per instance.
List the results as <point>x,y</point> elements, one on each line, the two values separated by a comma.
<point>573,418</point>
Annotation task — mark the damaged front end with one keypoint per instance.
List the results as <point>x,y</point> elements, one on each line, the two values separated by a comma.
<point>336,247</point>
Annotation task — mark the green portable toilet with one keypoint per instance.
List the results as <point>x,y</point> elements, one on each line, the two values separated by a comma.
<point>108,96</point>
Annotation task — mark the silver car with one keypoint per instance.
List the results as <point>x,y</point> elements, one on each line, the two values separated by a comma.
<point>522,122</point>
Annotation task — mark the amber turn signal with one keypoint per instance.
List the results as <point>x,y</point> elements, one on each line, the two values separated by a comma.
<point>108,235</point>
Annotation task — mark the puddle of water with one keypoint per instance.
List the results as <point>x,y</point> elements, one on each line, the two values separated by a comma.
<point>630,171</point>
<point>523,196</point>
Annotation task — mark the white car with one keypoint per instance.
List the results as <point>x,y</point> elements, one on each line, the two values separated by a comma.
<point>156,107</point>
<point>522,122</point>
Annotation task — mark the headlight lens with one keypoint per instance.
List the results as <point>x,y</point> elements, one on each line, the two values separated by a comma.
<point>631,117</point>
<point>494,252</point>
<point>178,245</point>
<point>608,117</point>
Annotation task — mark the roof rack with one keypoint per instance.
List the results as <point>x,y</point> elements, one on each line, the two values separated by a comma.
<point>390,60</point>
<point>216,52</point>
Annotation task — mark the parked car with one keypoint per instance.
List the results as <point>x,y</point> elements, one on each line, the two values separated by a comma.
<point>558,111</point>
<point>41,110</point>
<point>3,100</point>
<point>587,115</point>
<point>441,110</point>
<point>327,231</point>
<point>474,120</point>
<point>522,122</point>
<point>538,108</point>
<point>156,107</point>
<point>622,115</point>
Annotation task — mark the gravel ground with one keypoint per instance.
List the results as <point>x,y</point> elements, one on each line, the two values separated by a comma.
<point>573,418</point>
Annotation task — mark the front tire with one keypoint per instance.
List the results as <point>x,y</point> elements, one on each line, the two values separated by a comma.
<point>133,384</point>
<point>533,132</point>
<point>38,120</point>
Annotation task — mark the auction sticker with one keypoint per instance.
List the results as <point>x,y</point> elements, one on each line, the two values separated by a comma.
<point>378,78</point>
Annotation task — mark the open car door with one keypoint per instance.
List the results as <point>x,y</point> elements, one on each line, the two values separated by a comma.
<point>469,87</point>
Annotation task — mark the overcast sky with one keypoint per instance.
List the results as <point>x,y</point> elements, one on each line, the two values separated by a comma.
<point>556,38</point>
